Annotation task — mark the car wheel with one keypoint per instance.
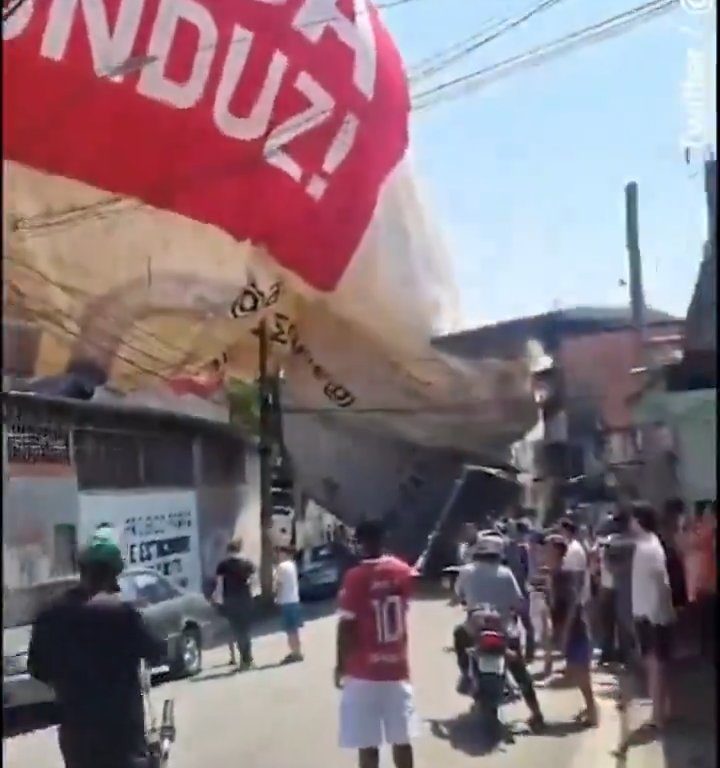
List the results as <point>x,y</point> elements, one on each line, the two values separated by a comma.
<point>189,654</point>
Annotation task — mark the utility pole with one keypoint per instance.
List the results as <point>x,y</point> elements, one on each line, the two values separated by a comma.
<point>266,451</point>
<point>711,197</point>
<point>637,300</point>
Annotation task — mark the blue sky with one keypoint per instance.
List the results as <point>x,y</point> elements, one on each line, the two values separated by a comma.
<point>526,176</point>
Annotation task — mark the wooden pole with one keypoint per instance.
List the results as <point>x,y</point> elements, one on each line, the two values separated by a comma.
<point>637,300</point>
<point>266,445</point>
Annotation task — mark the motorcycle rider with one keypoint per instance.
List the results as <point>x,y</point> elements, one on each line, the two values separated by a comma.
<point>88,647</point>
<point>487,581</point>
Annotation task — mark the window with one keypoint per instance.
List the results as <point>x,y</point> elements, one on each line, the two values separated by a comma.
<point>64,550</point>
<point>106,460</point>
<point>152,589</point>
<point>31,444</point>
<point>128,588</point>
<point>167,461</point>
<point>222,461</point>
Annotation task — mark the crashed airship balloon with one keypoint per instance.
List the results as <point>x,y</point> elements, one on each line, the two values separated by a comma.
<point>177,170</point>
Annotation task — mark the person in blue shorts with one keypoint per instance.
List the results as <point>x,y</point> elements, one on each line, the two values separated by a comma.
<point>288,598</point>
<point>571,628</point>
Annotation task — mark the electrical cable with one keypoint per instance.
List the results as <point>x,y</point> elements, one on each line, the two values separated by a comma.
<point>505,27</point>
<point>604,29</point>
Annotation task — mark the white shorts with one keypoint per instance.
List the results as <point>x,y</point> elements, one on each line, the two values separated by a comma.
<point>375,713</point>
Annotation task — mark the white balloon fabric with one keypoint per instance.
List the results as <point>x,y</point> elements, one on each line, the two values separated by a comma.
<point>177,170</point>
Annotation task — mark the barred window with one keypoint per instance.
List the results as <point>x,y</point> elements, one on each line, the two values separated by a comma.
<point>32,444</point>
<point>167,461</point>
<point>107,460</point>
<point>222,461</point>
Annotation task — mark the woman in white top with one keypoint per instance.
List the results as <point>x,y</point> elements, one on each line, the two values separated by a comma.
<point>652,607</point>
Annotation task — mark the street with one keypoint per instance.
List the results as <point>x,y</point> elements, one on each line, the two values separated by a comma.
<point>277,717</point>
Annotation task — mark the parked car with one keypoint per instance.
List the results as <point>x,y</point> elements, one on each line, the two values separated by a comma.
<point>186,620</point>
<point>20,607</point>
<point>321,573</point>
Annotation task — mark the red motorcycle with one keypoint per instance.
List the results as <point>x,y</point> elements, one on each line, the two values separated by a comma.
<point>488,663</point>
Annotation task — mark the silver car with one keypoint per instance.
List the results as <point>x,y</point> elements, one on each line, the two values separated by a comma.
<point>20,606</point>
<point>186,620</point>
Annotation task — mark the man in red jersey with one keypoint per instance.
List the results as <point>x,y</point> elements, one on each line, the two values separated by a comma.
<point>372,654</point>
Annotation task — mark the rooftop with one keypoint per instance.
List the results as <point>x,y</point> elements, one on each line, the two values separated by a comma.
<point>503,339</point>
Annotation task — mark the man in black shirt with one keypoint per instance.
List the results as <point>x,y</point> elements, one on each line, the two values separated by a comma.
<point>88,647</point>
<point>233,583</point>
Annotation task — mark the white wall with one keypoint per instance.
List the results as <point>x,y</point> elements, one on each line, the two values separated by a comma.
<point>32,507</point>
<point>247,523</point>
<point>156,529</point>
<point>697,447</point>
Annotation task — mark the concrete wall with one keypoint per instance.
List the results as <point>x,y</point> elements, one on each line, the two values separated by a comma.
<point>32,508</point>
<point>696,435</point>
<point>226,512</point>
<point>597,368</point>
<point>41,505</point>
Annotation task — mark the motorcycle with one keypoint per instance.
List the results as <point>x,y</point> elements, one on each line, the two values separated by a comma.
<point>488,663</point>
<point>159,736</point>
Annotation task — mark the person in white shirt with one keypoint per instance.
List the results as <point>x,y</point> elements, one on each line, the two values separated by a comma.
<point>609,652</point>
<point>652,607</point>
<point>576,559</point>
<point>287,592</point>
<point>467,544</point>
<point>576,562</point>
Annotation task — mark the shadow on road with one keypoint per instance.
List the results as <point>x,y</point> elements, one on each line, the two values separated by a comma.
<point>228,671</point>
<point>466,733</point>
<point>313,611</point>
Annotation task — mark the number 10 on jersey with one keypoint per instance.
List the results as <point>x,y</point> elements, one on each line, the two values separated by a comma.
<point>389,619</point>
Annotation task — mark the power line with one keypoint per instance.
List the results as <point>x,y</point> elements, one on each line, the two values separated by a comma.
<point>416,69</point>
<point>609,27</point>
<point>94,211</point>
<point>137,63</point>
<point>505,26</point>
<point>152,337</point>
<point>142,62</point>
<point>547,49</point>
<point>612,24</point>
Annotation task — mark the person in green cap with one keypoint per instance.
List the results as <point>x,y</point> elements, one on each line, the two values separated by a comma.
<point>88,647</point>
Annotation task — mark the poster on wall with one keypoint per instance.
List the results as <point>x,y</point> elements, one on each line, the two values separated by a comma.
<point>155,530</point>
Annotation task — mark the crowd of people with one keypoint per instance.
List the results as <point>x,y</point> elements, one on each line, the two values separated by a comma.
<point>639,588</point>
<point>625,588</point>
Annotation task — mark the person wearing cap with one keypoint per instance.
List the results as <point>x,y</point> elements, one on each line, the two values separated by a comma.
<point>88,647</point>
<point>488,581</point>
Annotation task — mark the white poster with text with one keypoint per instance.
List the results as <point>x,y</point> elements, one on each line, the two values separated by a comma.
<point>155,530</point>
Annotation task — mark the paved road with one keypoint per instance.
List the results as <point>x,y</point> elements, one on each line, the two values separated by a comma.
<point>287,717</point>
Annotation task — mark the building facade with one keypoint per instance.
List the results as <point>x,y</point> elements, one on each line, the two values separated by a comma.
<point>175,488</point>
